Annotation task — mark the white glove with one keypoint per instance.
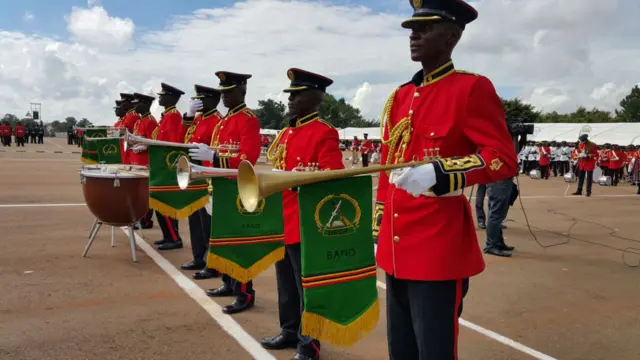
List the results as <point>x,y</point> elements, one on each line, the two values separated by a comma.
<point>195,105</point>
<point>416,180</point>
<point>582,156</point>
<point>277,170</point>
<point>139,148</point>
<point>208,206</point>
<point>202,153</point>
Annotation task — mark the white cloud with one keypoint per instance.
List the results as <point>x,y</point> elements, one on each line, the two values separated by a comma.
<point>28,16</point>
<point>95,27</point>
<point>557,54</point>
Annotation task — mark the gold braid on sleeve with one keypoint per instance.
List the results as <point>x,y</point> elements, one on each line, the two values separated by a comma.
<point>399,135</point>
<point>215,136</point>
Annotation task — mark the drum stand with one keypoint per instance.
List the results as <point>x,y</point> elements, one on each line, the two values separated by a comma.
<point>97,224</point>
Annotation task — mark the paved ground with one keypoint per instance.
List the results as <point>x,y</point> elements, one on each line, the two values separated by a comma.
<point>573,301</point>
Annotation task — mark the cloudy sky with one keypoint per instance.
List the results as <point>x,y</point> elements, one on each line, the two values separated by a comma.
<point>75,56</point>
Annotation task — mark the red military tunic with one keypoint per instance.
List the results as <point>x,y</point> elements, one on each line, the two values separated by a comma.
<point>19,131</point>
<point>616,159</point>
<point>366,147</point>
<point>130,119</point>
<point>144,127</point>
<point>239,137</point>
<point>457,120</point>
<point>603,158</point>
<point>171,128</point>
<point>589,163</point>
<point>544,152</point>
<point>307,140</point>
<point>123,155</point>
<point>201,129</point>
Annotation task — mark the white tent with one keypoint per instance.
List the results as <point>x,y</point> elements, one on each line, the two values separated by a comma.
<point>599,133</point>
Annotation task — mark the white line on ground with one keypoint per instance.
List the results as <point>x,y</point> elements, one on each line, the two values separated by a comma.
<point>51,142</point>
<point>226,322</point>
<point>490,334</point>
<point>41,160</point>
<point>39,205</point>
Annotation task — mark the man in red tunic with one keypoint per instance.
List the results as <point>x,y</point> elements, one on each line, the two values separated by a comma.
<point>587,157</point>
<point>19,130</point>
<point>427,244</point>
<point>366,149</point>
<point>308,142</point>
<point>545,161</point>
<point>617,159</point>
<point>202,119</point>
<point>170,129</point>
<point>238,139</point>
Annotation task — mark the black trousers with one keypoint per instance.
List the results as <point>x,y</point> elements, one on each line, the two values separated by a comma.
<point>7,140</point>
<point>365,160</point>
<point>241,290</point>
<point>581,176</point>
<point>563,167</point>
<point>200,231</point>
<point>291,300</point>
<point>69,140</point>
<point>615,176</point>
<point>169,227</point>
<point>554,167</point>
<point>20,141</point>
<point>422,318</point>
<point>40,139</point>
<point>544,171</point>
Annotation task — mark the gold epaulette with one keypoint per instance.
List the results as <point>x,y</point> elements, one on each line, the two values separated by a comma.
<point>154,134</point>
<point>249,112</point>
<point>466,72</point>
<point>386,113</point>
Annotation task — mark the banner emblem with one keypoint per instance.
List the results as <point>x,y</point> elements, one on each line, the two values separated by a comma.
<point>337,215</point>
<point>172,158</point>
<point>110,149</point>
<point>242,211</point>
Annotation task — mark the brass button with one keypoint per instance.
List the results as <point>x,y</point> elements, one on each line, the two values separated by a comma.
<point>396,239</point>
<point>416,94</point>
<point>432,134</point>
<point>395,215</point>
<point>290,131</point>
<point>410,112</point>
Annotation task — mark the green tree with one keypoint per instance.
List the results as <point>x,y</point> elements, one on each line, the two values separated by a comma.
<point>553,117</point>
<point>340,114</point>
<point>84,123</point>
<point>630,107</point>
<point>70,121</point>
<point>271,113</point>
<point>516,110</point>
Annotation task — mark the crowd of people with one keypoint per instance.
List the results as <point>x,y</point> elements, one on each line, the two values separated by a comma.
<point>23,134</point>
<point>559,158</point>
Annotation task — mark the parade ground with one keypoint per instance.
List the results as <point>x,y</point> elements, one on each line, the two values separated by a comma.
<point>572,294</point>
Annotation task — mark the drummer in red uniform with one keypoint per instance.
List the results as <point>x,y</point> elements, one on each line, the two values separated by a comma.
<point>202,119</point>
<point>427,242</point>
<point>170,129</point>
<point>587,157</point>
<point>366,150</point>
<point>239,139</point>
<point>308,142</point>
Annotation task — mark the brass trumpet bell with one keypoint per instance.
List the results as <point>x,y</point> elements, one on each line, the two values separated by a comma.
<point>186,172</point>
<point>254,186</point>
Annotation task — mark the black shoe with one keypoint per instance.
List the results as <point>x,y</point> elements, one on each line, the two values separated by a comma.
<point>279,342</point>
<point>223,290</point>
<point>504,226</point>
<point>194,265</point>
<point>578,193</point>
<point>170,245</point>
<point>508,247</point>
<point>588,194</point>
<point>239,305</point>
<point>299,356</point>
<point>497,252</point>
<point>160,242</point>
<point>482,226</point>
<point>206,273</point>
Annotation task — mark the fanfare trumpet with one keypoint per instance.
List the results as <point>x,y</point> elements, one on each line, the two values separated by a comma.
<point>256,185</point>
<point>131,140</point>
<point>187,172</point>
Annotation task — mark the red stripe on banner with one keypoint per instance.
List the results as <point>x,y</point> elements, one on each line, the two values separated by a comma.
<point>338,275</point>
<point>249,238</point>
<point>245,242</point>
<point>339,281</point>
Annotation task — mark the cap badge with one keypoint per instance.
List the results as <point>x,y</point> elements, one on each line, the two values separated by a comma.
<point>417,4</point>
<point>221,76</point>
<point>290,75</point>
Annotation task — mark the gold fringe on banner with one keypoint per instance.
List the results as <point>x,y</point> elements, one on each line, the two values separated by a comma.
<point>88,161</point>
<point>178,214</point>
<point>241,274</point>
<point>318,327</point>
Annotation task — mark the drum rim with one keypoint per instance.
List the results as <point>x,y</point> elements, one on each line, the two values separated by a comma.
<point>119,175</point>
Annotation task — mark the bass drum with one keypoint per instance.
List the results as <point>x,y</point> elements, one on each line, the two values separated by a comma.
<point>604,181</point>
<point>597,174</point>
<point>117,195</point>
<point>570,178</point>
<point>535,174</point>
